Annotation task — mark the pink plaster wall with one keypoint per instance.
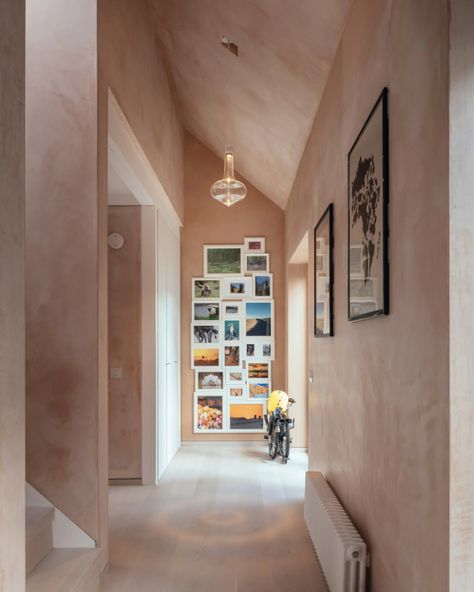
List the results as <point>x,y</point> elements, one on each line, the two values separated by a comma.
<point>131,63</point>
<point>208,222</point>
<point>12,290</point>
<point>378,408</point>
<point>124,283</point>
<point>62,262</point>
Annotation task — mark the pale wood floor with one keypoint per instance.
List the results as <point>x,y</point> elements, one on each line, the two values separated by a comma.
<point>223,519</point>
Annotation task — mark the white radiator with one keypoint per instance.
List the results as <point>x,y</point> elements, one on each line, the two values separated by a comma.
<point>340,549</point>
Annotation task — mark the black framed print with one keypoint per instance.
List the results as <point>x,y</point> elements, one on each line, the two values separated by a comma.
<point>368,178</point>
<point>324,274</point>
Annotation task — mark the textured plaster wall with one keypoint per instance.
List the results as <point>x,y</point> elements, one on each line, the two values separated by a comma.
<point>125,345</point>
<point>379,404</point>
<point>131,64</point>
<point>208,222</point>
<point>64,399</point>
<point>12,315</point>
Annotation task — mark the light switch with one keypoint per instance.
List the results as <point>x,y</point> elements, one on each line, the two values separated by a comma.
<point>116,373</point>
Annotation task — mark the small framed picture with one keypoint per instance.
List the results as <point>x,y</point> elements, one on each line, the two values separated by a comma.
<point>232,330</point>
<point>238,287</point>
<point>251,350</point>
<point>246,417</point>
<point>254,263</point>
<point>258,370</point>
<point>206,289</point>
<point>232,356</point>
<point>260,389</point>
<point>259,321</point>
<point>254,244</point>
<point>262,285</point>
<point>267,350</point>
<point>206,311</point>
<point>324,274</point>
<point>206,357</point>
<point>235,376</point>
<point>207,380</point>
<point>236,391</point>
<point>222,260</point>
<point>205,333</point>
<point>208,413</point>
<point>232,308</point>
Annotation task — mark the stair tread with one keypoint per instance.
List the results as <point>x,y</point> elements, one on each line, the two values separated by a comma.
<point>63,570</point>
<point>37,517</point>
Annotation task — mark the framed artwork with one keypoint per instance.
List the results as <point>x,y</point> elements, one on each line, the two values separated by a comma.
<point>206,289</point>
<point>254,263</point>
<point>206,333</point>
<point>368,183</point>
<point>222,260</point>
<point>267,350</point>
<point>232,356</point>
<point>209,380</point>
<point>251,350</point>
<point>324,274</point>
<point>206,357</point>
<point>232,330</point>
<point>262,285</point>
<point>254,244</point>
<point>235,375</point>
<point>259,320</point>
<point>260,350</point>
<point>208,413</point>
<point>259,389</point>
<point>258,370</point>
<point>236,391</point>
<point>245,417</point>
<point>232,308</point>
<point>206,311</point>
<point>238,287</point>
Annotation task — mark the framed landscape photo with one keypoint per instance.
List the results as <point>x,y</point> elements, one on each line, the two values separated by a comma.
<point>236,391</point>
<point>259,320</point>
<point>245,417</point>
<point>258,370</point>
<point>206,333</point>
<point>206,311</point>
<point>258,390</point>
<point>222,260</point>
<point>207,380</point>
<point>254,244</point>
<point>254,263</point>
<point>206,289</point>
<point>235,376</point>
<point>208,413</point>
<point>206,357</point>
<point>368,183</point>
<point>324,274</point>
<point>262,285</point>
<point>237,287</point>
<point>232,308</point>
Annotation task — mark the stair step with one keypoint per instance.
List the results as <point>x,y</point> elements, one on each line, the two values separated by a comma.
<point>66,570</point>
<point>39,535</point>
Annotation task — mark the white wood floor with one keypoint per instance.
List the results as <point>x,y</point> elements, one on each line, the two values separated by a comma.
<point>223,519</point>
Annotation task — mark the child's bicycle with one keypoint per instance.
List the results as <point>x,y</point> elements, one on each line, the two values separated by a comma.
<point>278,433</point>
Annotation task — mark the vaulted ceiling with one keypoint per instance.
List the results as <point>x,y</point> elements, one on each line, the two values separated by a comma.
<point>264,101</point>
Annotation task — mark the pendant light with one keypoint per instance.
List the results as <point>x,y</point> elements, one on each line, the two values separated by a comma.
<point>228,190</point>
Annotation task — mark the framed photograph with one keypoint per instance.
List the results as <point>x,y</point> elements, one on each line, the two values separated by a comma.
<point>222,260</point>
<point>232,330</point>
<point>208,413</point>
<point>251,350</point>
<point>324,274</point>
<point>206,311</point>
<point>235,375</point>
<point>206,333</point>
<point>206,289</point>
<point>232,309</point>
<point>368,183</point>
<point>209,380</point>
<point>206,357</point>
<point>256,263</point>
<point>236,391</point>
<point>259,320</point>
<point>258,370</point>
<point>258,390</point>
<point>232,356</point>
<point>254,244</point>
<point>262,285</point>
<point>245,417</point>
<point>267,350</point>
<point>237,287</point>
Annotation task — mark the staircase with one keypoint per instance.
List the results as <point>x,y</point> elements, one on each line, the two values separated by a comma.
<point>56,570</point>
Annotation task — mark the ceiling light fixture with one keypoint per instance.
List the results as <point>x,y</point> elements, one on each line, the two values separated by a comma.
<point>228,190</point>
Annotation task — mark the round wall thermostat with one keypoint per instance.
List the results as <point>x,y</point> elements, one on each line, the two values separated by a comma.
<point>116,240</point>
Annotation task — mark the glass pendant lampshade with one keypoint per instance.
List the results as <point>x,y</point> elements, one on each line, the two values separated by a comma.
<point>228,190</point>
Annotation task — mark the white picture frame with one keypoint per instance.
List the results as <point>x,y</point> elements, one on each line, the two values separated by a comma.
<point>213,291</point>
<point>206,333</point>
<point>250,244</point>
<point>230,284</point>
<point>236,424</point>
<point>258,370</point>
<point>211,397</point>
<point>206,353</point>
<point>232,329</point>
<point>236,391</point>
<point>258,325</point>
<point>255,392</point>
<point>234,267</point>
<point>262,285</point>
<point>231,378</point>
<point>198,311</point>
<point>232,356</point>
<point>256,263</point>
<point>257,350</point>
<point>237,307</point>
<point>203,384</point>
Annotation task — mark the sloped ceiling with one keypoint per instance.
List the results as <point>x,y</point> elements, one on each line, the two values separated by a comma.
<point>264,101</point>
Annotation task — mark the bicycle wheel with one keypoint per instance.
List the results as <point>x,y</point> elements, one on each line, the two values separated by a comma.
<point>272,444</point>
<point>285,444</point>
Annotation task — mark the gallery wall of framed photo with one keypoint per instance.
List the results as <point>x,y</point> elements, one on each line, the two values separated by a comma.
<point>232,338</point>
